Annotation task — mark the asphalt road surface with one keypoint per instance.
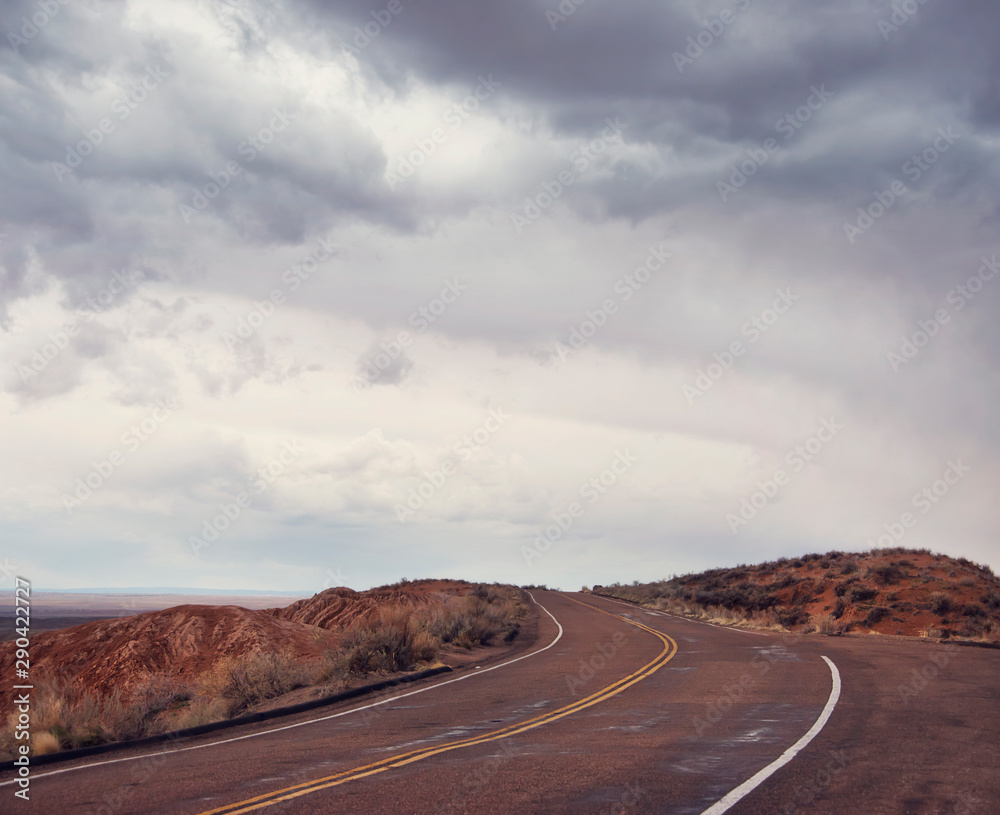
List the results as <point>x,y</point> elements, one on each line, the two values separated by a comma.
<point>612,709</point>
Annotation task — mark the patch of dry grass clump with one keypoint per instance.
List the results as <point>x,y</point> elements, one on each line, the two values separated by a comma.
<point>249,679</point>
<point>477,618</point>
<point>941,603</point>
<point>389,642</point>
<point>828,624</point>
<point>63,716</point>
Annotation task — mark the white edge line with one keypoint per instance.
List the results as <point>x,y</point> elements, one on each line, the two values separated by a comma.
<point>755,781</point>
<point>309,721</point>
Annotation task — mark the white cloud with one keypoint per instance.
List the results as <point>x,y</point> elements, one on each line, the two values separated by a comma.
<point>260,313</point>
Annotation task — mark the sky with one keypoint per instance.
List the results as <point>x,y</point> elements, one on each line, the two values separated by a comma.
<point>297,294</point>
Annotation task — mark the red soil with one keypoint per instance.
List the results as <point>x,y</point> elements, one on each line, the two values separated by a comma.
<point>340,607</point>
<point>884,591</point>
<point>909,598</point>
<point>185,641</point>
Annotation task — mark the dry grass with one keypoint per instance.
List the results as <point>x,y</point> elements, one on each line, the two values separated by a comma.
<point>766,619</point>
<point>985,631</point>
<point>249,679</point>
<point>400,638</point>
<point>393,641</point>
<point>478,618</point>
<point>828,624</point>
<point>63,716</point>
<point>201,711</point>
<point>941,603</point>
<point>991,632</point>
<point>44,743</point>
<point>876,614</point>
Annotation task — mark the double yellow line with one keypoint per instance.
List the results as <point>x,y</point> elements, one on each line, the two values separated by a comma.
<point>401,760</point>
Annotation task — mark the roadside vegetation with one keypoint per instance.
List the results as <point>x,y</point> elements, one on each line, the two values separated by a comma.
<point>395,639</point>
<point>887,591</point>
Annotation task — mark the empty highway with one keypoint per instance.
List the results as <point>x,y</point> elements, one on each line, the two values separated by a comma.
<point>607,708</point>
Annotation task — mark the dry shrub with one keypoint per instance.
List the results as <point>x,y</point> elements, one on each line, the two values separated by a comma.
<point>48,712</point>
<point>155,694</point>
<point>941,603</point>
<point>766,619</point>
<point>398,638</point>
<point>202,711</point>
<point>828,624</point>
<point>876,614</point>
<point>888,574</point>
<point>63,715</point>
<point>425,646</point>
<point>389,642</point>
<point>721,615</point>
<point>331,672</point>
<point>255,677</point>
<point>44,743</point>
<point>477,618</point>
<point>122,719</point>
<point>990,632</point>
<point>794,616</point>
<point>862,594</point>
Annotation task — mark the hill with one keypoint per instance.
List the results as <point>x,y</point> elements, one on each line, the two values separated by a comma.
<point>340,607</point>
<point>121,678</point>
<point>182,642</point>
<point>187,641</point>
<point>885,591</point>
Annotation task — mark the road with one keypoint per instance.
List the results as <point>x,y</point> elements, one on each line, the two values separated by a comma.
<point>613,709</point>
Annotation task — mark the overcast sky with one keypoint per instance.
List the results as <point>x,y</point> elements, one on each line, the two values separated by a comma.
<point>295,294</point>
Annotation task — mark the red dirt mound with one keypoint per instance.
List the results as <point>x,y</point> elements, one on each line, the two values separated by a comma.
<point>182,641</point>
<point>898,591</point>
<point>884,591</point>
<point>338,608</point>
<point>185,641</point>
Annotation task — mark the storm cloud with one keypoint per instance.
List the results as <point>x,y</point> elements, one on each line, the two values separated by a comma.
<point>696,235</point>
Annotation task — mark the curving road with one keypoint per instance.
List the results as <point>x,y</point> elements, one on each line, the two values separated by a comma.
<point>612,709</point>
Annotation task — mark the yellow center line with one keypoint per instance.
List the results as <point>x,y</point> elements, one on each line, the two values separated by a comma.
<point>288,793</point>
